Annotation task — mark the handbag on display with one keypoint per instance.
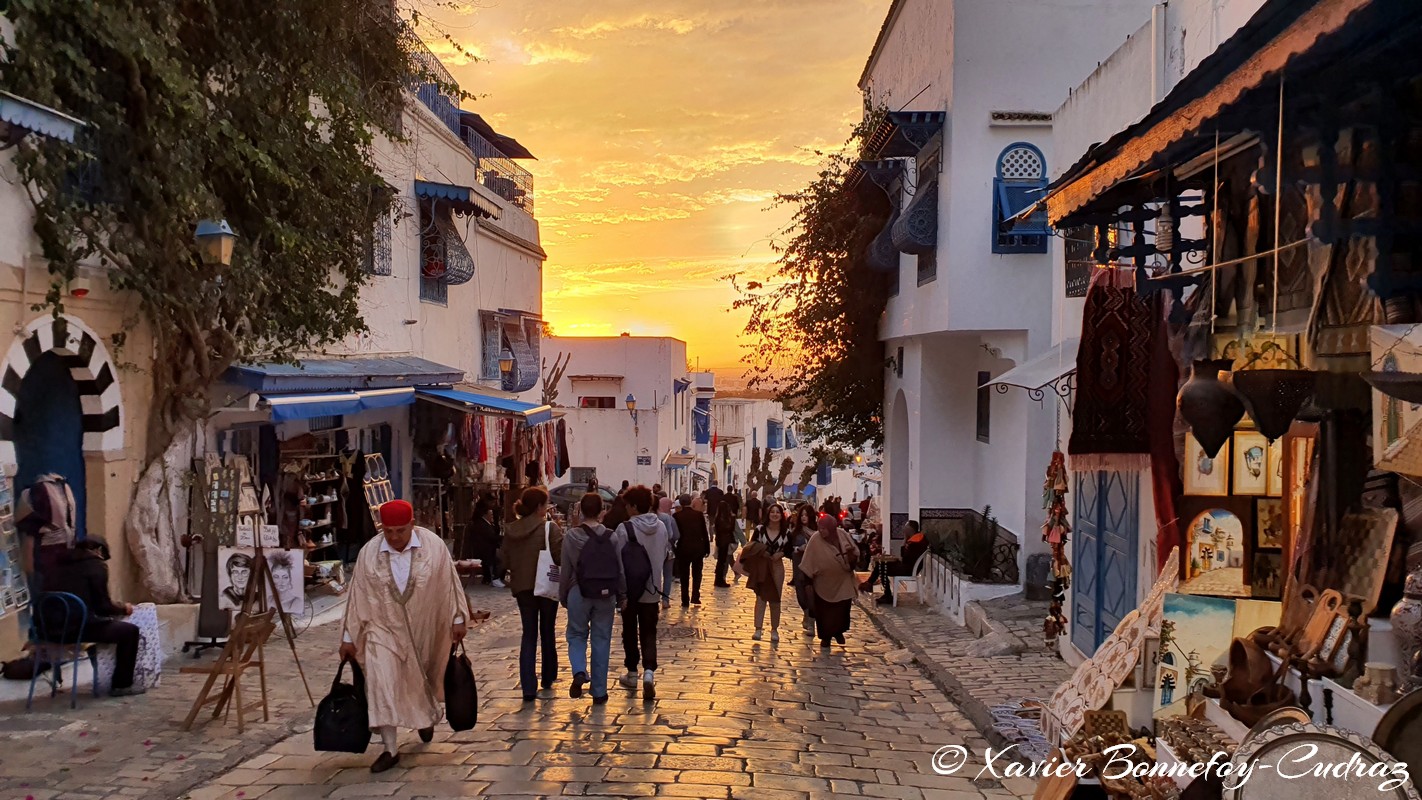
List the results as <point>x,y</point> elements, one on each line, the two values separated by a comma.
<point>343,717</point>
<point>545,580</point>
<point>461,693</point>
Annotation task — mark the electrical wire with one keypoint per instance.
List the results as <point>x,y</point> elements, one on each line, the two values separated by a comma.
<point>1278,205</point>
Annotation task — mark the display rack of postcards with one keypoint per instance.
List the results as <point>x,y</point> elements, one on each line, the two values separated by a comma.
<point>215,502</point>
<point>14,591</point>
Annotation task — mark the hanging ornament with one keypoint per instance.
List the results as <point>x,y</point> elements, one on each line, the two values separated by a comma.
<point>1211,406</point>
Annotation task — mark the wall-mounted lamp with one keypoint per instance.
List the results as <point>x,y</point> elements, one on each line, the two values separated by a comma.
<point>632,410</point>
<point>506,362</point>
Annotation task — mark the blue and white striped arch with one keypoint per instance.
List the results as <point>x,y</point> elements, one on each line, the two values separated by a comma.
<point>89,364</point>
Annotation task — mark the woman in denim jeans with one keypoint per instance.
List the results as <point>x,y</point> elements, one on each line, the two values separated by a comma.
<point>523,540</point>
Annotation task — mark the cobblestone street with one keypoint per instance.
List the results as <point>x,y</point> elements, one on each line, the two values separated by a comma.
<point>733,718</point>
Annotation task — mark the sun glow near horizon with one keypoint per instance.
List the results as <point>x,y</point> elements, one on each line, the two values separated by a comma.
<point>664,131</point>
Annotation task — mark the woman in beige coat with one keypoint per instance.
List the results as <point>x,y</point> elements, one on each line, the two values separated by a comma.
<point>829,564</point>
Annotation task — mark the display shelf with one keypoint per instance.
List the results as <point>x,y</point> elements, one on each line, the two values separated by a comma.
<point>1350,711</point>
<point>1232,727</point>
<point>1165,755</point>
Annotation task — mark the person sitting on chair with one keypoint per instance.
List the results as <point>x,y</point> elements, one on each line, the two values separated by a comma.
<point>85,575</point>
<point>915,545</point>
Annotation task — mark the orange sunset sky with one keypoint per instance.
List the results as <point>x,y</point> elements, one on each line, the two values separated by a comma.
<point>663,128</point>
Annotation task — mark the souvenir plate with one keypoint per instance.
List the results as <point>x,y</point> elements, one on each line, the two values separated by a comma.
<point>1285,759</point>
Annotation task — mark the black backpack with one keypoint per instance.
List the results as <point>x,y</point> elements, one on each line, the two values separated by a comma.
<point>637,566</point>
<point>599,573</point>
<point>343,718</point>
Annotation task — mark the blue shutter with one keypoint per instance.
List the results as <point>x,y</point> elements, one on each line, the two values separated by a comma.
<point>824,473</point>
<point>775,435</point>
<point>1107,510</point>
<point>1085,562</point>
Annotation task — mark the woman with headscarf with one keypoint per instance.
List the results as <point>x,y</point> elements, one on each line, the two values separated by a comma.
<point>829,564</point>
<point>803,529</point>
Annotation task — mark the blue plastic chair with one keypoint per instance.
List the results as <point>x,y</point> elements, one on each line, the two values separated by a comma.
<point>45,647</point>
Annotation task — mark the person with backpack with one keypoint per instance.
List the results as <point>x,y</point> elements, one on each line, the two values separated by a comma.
<point>593,587</point>
<point>691,549</point>
<point>45,520</point>
<point>643,562</point>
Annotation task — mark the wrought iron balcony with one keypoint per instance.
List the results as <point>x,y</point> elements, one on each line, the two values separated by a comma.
<point>499,172</point>
<point>980,551</point>
<point>432,83</point>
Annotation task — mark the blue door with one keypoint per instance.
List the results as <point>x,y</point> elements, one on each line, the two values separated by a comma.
<point>1107,508</point>
<point>49,430</point>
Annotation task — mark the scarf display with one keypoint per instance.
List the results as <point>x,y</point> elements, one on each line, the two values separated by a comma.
<point>1111,418</point>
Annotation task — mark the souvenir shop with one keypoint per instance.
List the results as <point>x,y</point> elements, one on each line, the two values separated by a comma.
<point>1248,386</point>
<point>470,447</point>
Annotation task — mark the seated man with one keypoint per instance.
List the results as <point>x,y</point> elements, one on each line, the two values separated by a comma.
<point>915,545</point>
<point>84,574</point>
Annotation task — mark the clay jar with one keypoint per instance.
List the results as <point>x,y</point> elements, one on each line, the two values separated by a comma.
<point>1211,406</point>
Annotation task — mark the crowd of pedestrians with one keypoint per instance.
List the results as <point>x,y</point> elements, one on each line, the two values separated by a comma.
<point>619,559</point>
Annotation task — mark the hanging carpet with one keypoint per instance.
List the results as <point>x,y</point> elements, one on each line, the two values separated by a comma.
<point>1110,420</point>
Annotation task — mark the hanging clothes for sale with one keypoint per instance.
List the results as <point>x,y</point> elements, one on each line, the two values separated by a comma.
<point>358,526</point>
<point>563,460</point>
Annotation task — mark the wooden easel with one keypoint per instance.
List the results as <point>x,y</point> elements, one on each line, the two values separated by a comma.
<point>245,645</point>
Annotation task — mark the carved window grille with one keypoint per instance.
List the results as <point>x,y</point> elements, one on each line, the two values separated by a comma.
<point>379,256</point>
<point>1020,183</point>
<point>1080,242</point>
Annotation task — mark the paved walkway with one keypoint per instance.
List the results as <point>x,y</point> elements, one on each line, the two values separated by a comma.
<point>1007,664</point>
<point>733,718</point>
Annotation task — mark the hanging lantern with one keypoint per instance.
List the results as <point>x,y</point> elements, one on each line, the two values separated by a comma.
<point>1273,397</point>
<point>1210,406</point>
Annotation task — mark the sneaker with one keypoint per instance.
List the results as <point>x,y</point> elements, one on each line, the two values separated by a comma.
<point>696,601</point>
<point>600,701</point>
<point>128,691</point>
<point>839,637</point>
<point>774,637</point>
<point>498,584</point>
<point>649,691</point>
<point>576,690</point>
<point>885,600</point>
<point>629,680</point>
<point>756,635</point>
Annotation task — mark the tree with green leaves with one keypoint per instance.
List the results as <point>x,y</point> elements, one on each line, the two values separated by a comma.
<point>815,320</point>
<point>210,109</point>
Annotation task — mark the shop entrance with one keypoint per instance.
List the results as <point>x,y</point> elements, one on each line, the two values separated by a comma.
<point>1104,555</point>
<point>49,429</point>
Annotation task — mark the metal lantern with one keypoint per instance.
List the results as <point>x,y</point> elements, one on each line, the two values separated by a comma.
<point>631,403</point>
<point>506,362</point>
<point>215,241</point>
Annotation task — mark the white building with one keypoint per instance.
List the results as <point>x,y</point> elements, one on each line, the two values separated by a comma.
<point>970,86</point>
<point>741,425</point>
<point>629,405</point>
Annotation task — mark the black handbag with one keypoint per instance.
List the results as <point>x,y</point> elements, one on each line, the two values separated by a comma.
<point>343,717</point>
<point>461,693</point>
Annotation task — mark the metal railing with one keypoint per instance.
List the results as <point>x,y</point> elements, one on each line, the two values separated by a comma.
<point>501,173</point>
<point>433,85</point>
<point>979,552</point>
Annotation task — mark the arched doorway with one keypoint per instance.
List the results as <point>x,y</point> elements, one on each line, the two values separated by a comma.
<point>898,456</point>
<point>49,428</point>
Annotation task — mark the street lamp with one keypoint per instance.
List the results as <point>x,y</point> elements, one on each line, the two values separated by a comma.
<point>632,410</point>
<point>215,241</point>
<point>506,362</point>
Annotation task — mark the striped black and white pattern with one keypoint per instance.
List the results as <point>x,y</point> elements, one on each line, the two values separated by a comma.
<point>89,364</point>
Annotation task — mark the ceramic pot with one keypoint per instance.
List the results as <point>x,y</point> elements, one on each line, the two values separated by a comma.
<point>1407,629</point>
<point>1273,397</point>
<point>1210,406</point>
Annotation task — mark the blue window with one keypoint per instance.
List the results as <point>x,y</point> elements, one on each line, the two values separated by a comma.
<point>1021,181</point>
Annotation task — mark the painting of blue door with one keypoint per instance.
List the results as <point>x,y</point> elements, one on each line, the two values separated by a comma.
<point>49,429</point>
<point>1107,511</point>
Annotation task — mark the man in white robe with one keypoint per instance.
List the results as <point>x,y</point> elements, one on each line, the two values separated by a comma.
<point>405,609</point>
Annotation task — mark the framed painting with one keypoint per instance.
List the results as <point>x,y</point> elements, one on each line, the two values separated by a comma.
<point>1251,463</point>
<point>1218,534</point>
<point>1275,487</point>
<point>1269,523</point>
<point>1203,475</point>
<point>1266,578</point>
<point>1258,350</point>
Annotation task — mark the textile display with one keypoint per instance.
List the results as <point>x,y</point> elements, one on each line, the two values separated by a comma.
<point>1110,421</point>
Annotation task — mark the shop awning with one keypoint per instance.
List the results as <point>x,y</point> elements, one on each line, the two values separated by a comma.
<point>343,374</point>
<point>678,460</point>
<point>1282,36</point>
<point>287,407</point>
<point>465,199</point>
<point>470,401</point>
<point>41,119</point>
<point>1044,370</point>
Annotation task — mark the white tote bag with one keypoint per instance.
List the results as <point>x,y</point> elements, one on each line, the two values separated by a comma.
<point>545,581</point>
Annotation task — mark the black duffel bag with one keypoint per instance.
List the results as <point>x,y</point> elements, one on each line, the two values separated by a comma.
<point>343,717</point>
<point>461,693</point>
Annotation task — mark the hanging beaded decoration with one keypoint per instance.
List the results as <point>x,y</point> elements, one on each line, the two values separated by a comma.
<point>1055,532</point>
